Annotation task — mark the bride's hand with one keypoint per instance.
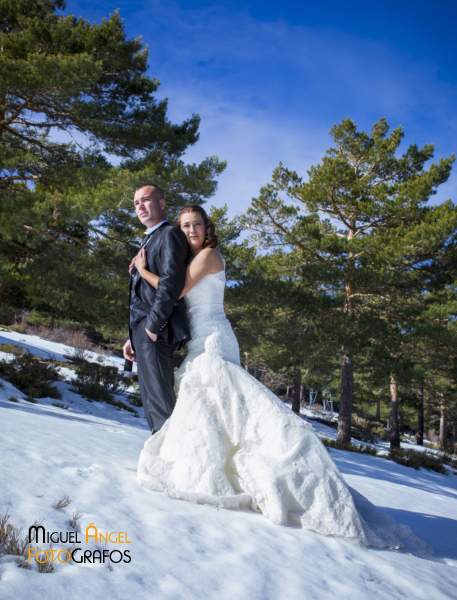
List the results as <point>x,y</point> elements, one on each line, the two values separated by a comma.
<point>141,261</point>
<point>132,264</point>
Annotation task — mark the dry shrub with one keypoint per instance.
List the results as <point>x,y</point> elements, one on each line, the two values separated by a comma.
<point>269,379</point>
<point>349,447</point>
<point>31,376</point>
<point>75,518</point>
<point>13,349</point>
<point>361,429</point>
<point>63,502</point>
<point>18,328</point>
<point>123,406</point>
<point>98,382</point>
<point>79,345</point>
<point>379,430</point>
<point>450,458</point>
<point>11,541</point>
<point>414,459</point>
<point>77,355</point>
<point>60,335</point>
<point>45,566</point>
<point>327,422</point>
<point>135,396</point>
<point>60,405</point>
<point>367,429</point>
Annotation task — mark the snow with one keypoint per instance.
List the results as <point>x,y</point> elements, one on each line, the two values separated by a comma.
<point>184,551</point>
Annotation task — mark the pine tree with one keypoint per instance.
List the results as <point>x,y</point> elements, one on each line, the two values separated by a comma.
<point>361,224</point>
<point>67,228</point>
<point>282,324</point>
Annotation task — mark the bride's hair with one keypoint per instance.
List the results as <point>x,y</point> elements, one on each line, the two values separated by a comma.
<point>211,237</point>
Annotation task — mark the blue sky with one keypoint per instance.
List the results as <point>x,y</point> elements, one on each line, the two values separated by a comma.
<point>270,78</point>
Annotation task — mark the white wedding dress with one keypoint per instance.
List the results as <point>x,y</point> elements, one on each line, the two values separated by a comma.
<point>232,443</point>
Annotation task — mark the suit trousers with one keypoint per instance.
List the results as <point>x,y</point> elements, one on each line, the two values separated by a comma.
<point>155,376</point>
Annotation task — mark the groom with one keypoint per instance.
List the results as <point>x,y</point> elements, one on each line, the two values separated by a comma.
<point>158,323</point>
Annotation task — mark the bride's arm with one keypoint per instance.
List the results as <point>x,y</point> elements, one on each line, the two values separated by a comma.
<point>207,261</point>
<point>140,264</point>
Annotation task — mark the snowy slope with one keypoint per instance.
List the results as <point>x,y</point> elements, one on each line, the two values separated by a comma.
<point>185,551</point>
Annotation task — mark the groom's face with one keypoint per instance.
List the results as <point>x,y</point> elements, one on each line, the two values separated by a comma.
<point>150,209</point>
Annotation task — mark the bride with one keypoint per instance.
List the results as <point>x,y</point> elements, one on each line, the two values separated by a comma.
<point>230,442</point>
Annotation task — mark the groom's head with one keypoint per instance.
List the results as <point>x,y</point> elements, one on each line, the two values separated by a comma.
<point>149,203</point>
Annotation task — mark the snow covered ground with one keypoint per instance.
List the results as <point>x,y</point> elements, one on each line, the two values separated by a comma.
<point>184,551</point>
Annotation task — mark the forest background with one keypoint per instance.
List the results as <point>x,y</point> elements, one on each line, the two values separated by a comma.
<point>348,283</point>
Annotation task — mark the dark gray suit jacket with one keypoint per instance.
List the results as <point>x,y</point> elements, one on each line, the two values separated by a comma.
<point>167,255</point>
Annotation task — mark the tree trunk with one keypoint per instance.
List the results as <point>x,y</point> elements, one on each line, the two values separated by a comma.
<point>347,367</point>
<point>401,421</point>
<point>378,408</point>
<point>297,386</point>
<point>420,415</point>
<point>394,424</point>
<point>52,321</point>
<point>443,427</point>
<point>347,385</point>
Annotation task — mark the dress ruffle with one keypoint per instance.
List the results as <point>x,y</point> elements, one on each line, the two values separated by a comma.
<point>231,443</point>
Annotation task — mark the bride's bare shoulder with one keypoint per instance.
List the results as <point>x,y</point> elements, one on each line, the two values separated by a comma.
<point>211,259</point>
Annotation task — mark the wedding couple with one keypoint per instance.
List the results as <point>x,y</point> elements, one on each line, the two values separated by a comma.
<point>226,441</point>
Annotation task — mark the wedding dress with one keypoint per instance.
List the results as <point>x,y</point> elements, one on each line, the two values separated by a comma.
<point>232,443</point>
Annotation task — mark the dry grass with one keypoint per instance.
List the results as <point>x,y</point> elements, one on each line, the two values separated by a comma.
<point>11,541</point>
<point>74,519</point>
<point>79,345</point>
<point>60,405</point>
<point>17,328</point>
<point>46,566</point>
<point>63,502</point>
<point>361,449</point>
<point>12,349</point>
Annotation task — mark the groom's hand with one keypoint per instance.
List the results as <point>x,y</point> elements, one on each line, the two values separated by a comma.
<point>128,352</point>
<point>153,336</point>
